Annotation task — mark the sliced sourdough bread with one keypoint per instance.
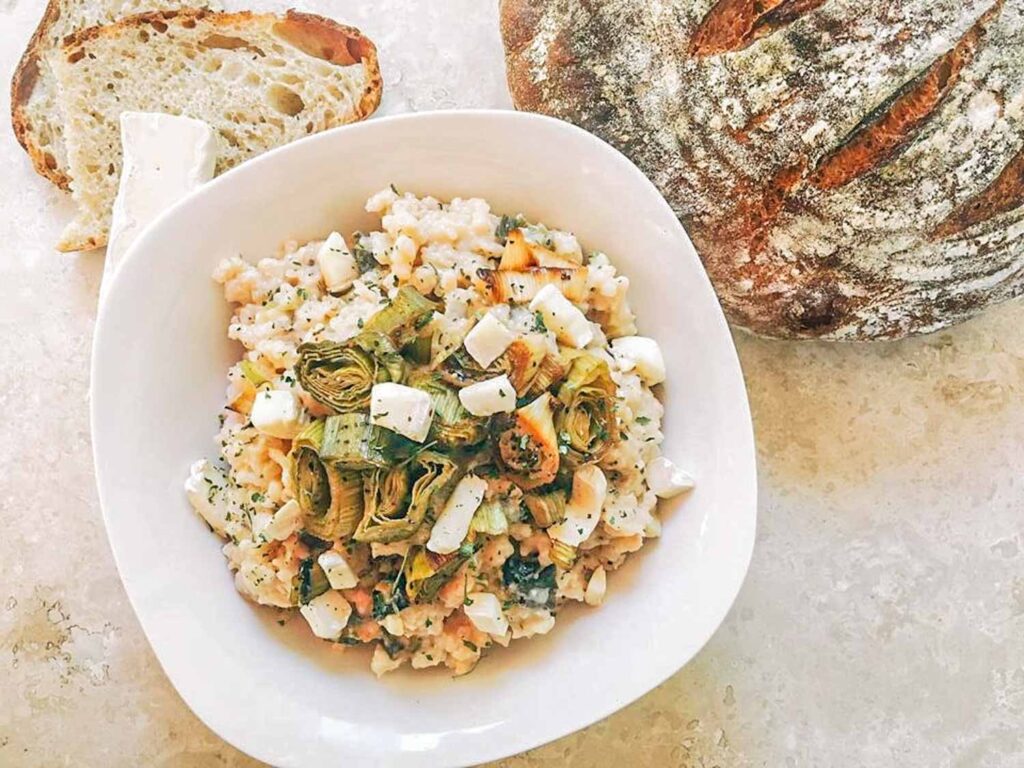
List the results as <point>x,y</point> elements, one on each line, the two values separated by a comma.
<point>35,115</point>
<point>260,80</point>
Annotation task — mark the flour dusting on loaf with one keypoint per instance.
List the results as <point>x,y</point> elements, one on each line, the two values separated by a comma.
<point>847,170</point>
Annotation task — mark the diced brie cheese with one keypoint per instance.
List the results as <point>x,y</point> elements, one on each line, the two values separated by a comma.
<point>405,410</point>
<point>596,587</point>
<point>327,614</point>
<point>666,479</point>
<point>641,353</point>
<point>495,395</point>
<point>483,609</point>
<point>453,523</point>
<point>561,317</point>
<point>339,573</point>
<point>337,266</point>
<point>164,158</point>
<point>488,340</point>
<point>277,413</point>
<point>583,510</point>
<point>284,523</point>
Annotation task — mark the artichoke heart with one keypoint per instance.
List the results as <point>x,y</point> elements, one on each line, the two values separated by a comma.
<point>340,375</point>
<point>521,285</point>
<point>587,424</point>
<point>453,426</point>
<point>396,501</point>
<point>529,448</point>
<point>404,318</point>
<point>331,500</point>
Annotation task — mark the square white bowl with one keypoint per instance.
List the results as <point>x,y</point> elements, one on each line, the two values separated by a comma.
<point>159,362</point>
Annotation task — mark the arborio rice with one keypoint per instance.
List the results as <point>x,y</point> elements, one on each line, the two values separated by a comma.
<point>437,437</point>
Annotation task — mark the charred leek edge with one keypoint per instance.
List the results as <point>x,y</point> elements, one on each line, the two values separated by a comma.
<point>351,442</point>
<point>311,581</point>
<point>524,358</point>
<point>461,370</point>
<point>418,350</point>
<point>550,372</point>
<point>397,501</point>
<point>521,285</point>
<point>563,555</point>
<point>516,254</point>
<point>340,376</point>
<point>404,317</point>
<point>453,426</point>
<point>587,424</point>
<point>546,509</point>
<point>427,572</point>
<point>529,449</point>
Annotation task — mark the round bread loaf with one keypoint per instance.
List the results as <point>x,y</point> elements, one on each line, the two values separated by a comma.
<point>847,169</point>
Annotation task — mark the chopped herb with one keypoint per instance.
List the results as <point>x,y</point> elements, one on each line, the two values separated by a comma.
<point>394,188</point>
<point>538,322</point>
<point>642,420</point>
<point>349,640</point>
<point>507,224</point>
<point>472,646</point>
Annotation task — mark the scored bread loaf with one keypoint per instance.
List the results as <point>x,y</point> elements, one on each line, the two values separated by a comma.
<point>260,80</point>
<point>35,114</point>
<point>847,169</point>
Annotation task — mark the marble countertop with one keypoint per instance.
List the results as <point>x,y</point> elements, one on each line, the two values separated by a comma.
<point>882,621</point>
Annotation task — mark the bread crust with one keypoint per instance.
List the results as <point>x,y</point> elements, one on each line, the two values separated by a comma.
<point>26,74</point>
<point>846,171</point>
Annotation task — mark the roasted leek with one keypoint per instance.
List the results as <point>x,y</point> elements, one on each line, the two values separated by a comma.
<point>350,441</point>
<point>453,426</point>
<point>529,448</point>
<point>330,498</point>
<point>521,285</point>
<point>396,500</point>
<point>404,318</point>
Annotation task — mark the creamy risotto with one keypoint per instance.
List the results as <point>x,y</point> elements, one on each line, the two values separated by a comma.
<point>440,433</point>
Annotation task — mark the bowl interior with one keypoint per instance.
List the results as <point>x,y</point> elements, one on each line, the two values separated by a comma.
<point>160,357</point>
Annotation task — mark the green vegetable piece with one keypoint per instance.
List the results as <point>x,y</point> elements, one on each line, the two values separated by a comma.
<point>396,501</point>
<point>254,373</point>
<point>587,424</point>
<point>490,517</point>
<point>341,375</point>
<point>350,441</point>
<point>453,426</point>
<point>331,499</point>
<point>403,318</point>
<point>546,509</point>
<point>311,580</point>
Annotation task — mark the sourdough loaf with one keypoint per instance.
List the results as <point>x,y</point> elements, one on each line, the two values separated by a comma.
<point>260,80</point>
<point>847,169</point>
<point>35,114</point>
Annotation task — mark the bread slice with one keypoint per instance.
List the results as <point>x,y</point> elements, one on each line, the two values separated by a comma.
<point>35,115</point>
<point>260,80</point>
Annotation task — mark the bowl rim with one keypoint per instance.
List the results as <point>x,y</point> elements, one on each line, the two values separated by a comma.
<point>744,444</point>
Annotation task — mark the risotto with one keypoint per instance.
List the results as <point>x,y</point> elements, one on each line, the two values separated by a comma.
<point>440,433</point>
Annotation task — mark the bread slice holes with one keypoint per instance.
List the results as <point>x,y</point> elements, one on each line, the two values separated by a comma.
<point>230,137</point>
<point>229,43</point>
<point>213,65</point>
<point>285,100</point>
<point>143,36</point>
<point>289,79</point>
<point>252,78</point>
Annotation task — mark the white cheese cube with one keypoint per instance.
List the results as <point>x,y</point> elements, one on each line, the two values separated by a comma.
<point>583,510</point>
<point>337,266</point>
<point>642,354</point>
<point>277,413</point>
<point>339,573</point>
<point>327,614</point>
<point>562,318</point>
<point>483,609</point>
<point>164,158</point>
<point>666,479</point>
<point>284,523</point>
<point>495,395</point>
<point>488,340</point>
<point>453,523</point>
<point>401,409</point>
<point>596,587</point>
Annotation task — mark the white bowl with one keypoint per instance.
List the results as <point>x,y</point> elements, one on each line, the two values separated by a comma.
<point>159,362</point>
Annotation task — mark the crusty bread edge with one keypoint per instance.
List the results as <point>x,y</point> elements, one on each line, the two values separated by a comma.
<point>22,84</point>
<point>356,42</point>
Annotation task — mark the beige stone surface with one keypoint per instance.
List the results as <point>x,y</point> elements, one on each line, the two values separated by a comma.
<point>882,622</point>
